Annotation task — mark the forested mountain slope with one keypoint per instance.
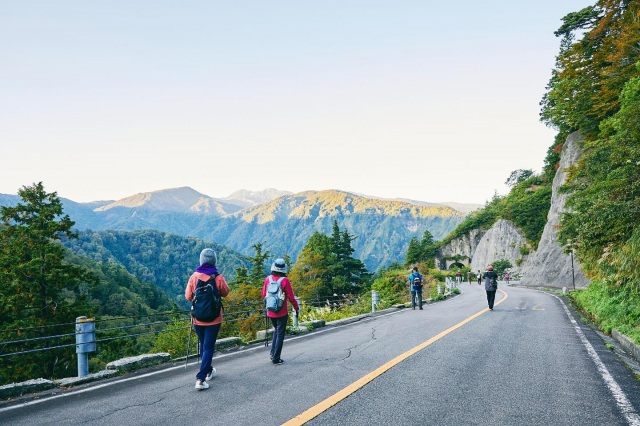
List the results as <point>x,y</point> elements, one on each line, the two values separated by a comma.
<point>383,228</point>
<point>163,259</point>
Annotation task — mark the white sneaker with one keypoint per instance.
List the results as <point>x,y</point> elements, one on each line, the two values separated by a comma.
<point>201,384</point>
<point>211,375</point>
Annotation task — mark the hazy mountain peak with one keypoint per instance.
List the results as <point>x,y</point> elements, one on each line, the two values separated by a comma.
<point>183,199</point>
<point>247,198</point>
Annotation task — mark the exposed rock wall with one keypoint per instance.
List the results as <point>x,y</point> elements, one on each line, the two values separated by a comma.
<point>463,246</point>
<point>549,266</point>
<point>502,241</point>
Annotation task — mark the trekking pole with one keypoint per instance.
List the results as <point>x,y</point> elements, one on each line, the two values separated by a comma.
<point>266,327</point>
<point>186,362</point>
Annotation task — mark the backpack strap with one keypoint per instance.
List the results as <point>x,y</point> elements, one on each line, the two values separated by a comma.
<point>279,280</point>
<point>214,276</point>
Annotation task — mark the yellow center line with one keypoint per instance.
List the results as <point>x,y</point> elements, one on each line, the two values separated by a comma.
<point>323,406</point>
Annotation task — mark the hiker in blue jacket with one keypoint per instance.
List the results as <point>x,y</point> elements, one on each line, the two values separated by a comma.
<point>415,285</point>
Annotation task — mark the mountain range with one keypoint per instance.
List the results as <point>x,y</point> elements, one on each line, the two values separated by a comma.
<point>281,220</point>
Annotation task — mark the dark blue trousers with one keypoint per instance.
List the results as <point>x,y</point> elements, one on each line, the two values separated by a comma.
<point>280,327</point>
<point>207,335</point>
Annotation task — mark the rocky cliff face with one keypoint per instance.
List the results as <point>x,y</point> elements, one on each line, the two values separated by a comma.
<point>464,246</point>
<point>502,241</point>
<point>550,266</point>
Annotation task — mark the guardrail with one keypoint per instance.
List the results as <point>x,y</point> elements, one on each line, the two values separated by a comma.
<point>87,336</point>
<point>92,335</point>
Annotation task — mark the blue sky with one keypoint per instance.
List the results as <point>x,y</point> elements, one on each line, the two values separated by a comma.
<point>433,101</point>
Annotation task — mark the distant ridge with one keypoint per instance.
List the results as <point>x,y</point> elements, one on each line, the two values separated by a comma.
<point>461,207</point>
<point>382,227</point>
<point>247,198</point>
<point>183,200</point>
<point>327,203</point>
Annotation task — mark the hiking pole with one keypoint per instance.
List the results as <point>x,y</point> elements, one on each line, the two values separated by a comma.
<point>188,346</point>
<point>266,328</point>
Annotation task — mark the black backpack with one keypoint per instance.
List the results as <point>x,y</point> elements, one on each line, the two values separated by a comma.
<point>207,303</point>
<point>493,282</point>
<point>417,282</point>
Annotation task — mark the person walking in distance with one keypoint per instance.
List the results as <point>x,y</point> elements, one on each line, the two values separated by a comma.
<point>479,277</point>
<point>277,286</point>
<point>490,285</point>
<point>415,285</point>
<point>207,331</point>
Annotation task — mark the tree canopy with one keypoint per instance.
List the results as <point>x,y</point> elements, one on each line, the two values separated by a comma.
<point>326,266</point>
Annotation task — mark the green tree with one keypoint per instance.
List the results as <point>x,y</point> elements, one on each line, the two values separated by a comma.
<point>501,265</point>
<point>258,272</point>
<point>414,252</point>
<point>311,274</point>
<point>349,272</point>
<point>326,266</point>
<point>605,185</point>
<point>40,289</point>
<point>429,249</point>
<point>32,259</point>
<point>242,275</point>
<point>518,176</point>
<point>591,72</point>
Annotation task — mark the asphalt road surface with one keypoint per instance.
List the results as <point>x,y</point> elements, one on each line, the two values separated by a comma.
<point>531,361</point>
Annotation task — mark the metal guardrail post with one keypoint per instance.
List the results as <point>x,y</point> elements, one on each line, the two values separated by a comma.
<point>85,343</point>
<point>375,299</point>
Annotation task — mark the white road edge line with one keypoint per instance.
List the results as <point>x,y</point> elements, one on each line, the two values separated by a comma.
<point>625,406</point>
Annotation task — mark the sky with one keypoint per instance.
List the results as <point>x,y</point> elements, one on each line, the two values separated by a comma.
<point>426,100</point>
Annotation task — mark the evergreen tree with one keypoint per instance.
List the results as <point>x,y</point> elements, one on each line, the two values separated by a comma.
<point>32,259</point>
<point>256,277</point>
<point>242,275</point>
<point>311,273</point>
<point>414,252</point>
<point>326,266</point>
<point>428,248</point>
<point>351,269</point>
<point>39,287</point>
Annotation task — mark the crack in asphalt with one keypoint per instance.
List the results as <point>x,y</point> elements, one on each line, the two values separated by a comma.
<point>124,408</point>
<point>373,337</point>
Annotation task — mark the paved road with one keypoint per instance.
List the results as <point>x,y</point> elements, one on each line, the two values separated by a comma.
<point>454,363</point>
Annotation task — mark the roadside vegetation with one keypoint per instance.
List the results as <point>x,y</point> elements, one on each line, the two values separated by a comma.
<point>595,89</point>
<point>600,74</point>
<point>46,286</point>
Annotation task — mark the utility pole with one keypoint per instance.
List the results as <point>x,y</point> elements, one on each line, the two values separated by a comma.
<point>569,247</point>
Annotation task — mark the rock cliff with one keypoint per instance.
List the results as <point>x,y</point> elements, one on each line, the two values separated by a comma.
<point>464,246</point>
<point>549,265</point>
<point>502,241</point>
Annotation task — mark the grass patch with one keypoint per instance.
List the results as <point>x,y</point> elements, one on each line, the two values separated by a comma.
<point>610,306</point>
